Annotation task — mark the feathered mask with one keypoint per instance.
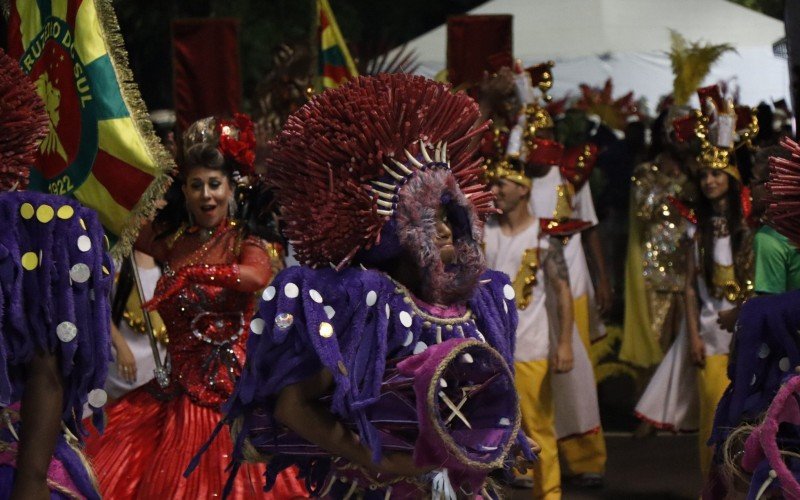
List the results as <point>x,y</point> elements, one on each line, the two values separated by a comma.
<point>342,161</point>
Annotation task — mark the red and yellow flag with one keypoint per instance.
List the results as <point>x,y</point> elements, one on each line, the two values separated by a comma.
<point>100,148</point>
<point>335,66</point>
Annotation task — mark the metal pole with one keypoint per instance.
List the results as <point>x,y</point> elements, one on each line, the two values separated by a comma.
<point>161,372</point>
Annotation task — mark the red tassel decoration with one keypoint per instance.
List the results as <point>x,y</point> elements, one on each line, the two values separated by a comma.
<point>23,124</point>
<point>783,210</point>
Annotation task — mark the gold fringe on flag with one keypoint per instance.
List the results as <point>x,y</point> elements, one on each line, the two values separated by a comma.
<point>145,208</point>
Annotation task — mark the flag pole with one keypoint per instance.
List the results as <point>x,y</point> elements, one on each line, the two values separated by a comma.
<point>314,45</point>
<point>161,371</point>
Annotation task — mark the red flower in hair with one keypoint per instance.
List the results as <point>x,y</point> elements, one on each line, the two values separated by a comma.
<point>237,140</point>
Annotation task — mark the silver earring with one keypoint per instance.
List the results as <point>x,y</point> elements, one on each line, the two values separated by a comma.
<point>189,214</point>
<point>231,208</point>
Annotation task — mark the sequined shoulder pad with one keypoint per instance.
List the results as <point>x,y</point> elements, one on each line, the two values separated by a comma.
<point>554,227</point>
<point>577,164</point>
<point>686,212</point>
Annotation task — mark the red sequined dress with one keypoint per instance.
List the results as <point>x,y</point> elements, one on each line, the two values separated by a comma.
<point>152,434</point>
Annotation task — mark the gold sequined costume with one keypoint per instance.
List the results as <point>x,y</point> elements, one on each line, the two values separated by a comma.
<point>654,277</point>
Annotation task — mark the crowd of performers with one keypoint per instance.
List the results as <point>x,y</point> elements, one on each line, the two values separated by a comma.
<point>434,335</point>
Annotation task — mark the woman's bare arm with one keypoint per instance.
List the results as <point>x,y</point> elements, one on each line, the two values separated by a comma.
<point>298,408</point>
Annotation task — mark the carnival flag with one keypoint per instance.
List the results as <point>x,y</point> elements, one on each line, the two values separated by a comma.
<point>335,66</point>
<point>100,147</point>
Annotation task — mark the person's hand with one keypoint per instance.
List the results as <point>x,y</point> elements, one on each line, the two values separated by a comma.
<point>521,463</point>
<point>535,448</point>
<point>27,488</point>
<point>126,363</point>
<point>698,351</point>
<point>400,464</point>
<point>727,319</point>
<point>563,358</point>
<point>604,297</point>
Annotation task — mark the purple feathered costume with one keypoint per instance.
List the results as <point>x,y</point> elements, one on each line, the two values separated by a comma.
<point>363,173</point>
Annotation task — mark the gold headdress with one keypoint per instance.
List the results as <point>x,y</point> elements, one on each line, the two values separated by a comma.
<point>721,128</point>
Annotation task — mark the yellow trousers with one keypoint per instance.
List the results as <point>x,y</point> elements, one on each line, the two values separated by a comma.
<point>584,454</point>
<point>532,380</point>
<point>712,381</point>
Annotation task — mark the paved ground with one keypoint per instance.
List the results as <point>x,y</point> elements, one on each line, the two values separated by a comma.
<point>663,467</point>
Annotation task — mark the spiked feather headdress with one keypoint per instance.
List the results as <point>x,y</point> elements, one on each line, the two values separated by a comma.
<point>23,124</point>
<point>783,211</point>
<point>341,161</point>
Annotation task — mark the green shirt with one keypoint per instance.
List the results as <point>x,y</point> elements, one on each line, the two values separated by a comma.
<point>777,262</point>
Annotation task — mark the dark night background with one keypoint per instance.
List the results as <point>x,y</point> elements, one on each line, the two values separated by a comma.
<point>368,25</point>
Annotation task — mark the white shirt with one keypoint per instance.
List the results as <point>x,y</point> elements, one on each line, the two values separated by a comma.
<point>504,253</point>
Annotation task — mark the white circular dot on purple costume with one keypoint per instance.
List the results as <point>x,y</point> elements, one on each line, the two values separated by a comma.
<point>291,290</point>
<point>763,351</point>
<point>783,364</point>
<point>269,293</point>
<point>97,398</point>
<point>508,292</point>
<point>405,319</point>
<point>388,311</point>
<point>66,331</point>
<point>257,326</point>
<point>420,347</point>
<point>409,338</point>
<point>753,380</point>
<point>329,312</point>
<point>315,296</point>
<point>372,298</point>
<point>84,243</point>
<point>467,358</point>
<point>284,320</point>
<point>504,422</point>
<point>80,273</point>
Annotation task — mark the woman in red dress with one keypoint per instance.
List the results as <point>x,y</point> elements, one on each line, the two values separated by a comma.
<point>214,263</point>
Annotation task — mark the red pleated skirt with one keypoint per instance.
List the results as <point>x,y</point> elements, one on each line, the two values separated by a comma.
<point>147,445</point>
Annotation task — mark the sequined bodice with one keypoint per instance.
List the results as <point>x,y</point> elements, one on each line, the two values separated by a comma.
<point>207,323</point>
<point>663,227</point>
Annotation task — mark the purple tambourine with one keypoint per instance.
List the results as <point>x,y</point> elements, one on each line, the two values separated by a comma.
<point>454,406</point>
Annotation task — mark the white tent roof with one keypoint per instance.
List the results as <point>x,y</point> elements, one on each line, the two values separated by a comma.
<point>627,40</point>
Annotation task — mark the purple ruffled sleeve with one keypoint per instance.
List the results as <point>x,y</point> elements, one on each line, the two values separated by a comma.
<point>314,319</point>
<point>496,310</point>
<point>55,277</point>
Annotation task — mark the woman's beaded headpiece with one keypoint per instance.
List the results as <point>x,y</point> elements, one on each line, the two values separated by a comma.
<point>235,139</point>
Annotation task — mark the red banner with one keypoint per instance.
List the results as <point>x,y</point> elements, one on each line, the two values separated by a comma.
<point>207,77</point>
<point>476,44</point>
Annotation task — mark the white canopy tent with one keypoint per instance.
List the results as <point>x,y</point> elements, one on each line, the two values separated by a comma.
<point>628,41</point>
